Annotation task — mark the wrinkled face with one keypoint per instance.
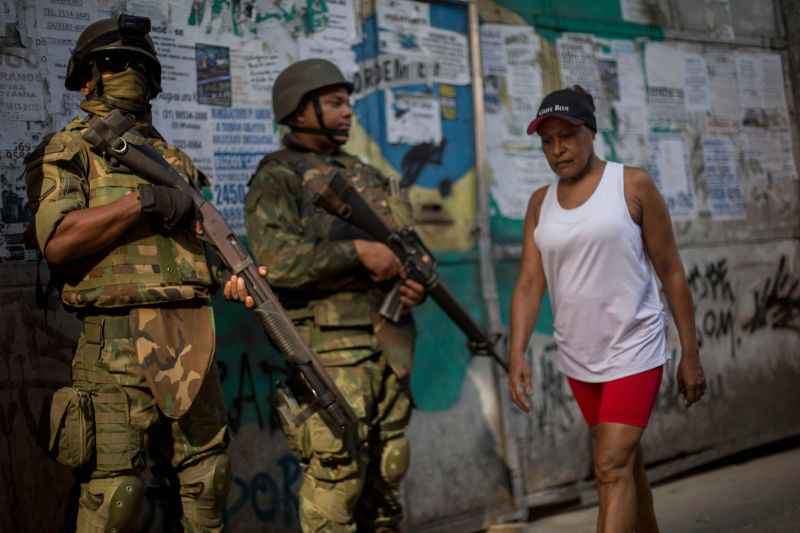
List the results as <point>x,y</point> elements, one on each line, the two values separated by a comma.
<point>567,147</point>
<point>337,113</point>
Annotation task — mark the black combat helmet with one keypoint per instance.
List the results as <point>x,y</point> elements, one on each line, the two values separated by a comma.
<point>123,36</point>
<point>298,80</point>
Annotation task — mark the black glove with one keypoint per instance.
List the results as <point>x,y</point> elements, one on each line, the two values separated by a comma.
<point>166,205</point>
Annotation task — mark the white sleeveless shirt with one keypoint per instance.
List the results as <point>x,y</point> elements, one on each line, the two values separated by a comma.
<point>608,318</point>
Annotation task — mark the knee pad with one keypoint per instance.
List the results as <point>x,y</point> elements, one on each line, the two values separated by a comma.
<point>204,489</point>
<point>395,460</point>
<point>111,504</point>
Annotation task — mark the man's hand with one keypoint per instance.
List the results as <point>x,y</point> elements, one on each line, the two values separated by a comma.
<point>520,382</point>
<point>235,290</point>
<point>411,293</point>
<point>378,259</point>
<point>691,378</point>
<point>166,205</point>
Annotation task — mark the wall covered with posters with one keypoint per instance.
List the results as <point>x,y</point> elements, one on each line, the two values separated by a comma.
<point>696,93</point>
<point>711,122</point>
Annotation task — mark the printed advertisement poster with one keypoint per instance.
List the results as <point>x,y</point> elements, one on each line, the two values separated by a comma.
<point>664,65</point>
<point>412,117</point>
<point>725,199</point>
<point>669,166</point>
<point>517,174</point>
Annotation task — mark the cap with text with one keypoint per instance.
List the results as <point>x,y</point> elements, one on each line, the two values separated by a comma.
<point>568,104</point>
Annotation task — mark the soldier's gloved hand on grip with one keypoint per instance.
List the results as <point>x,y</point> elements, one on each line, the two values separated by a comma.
<point>166,205</point>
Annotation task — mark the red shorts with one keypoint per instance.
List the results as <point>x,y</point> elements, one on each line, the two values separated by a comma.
<point>627,400</point>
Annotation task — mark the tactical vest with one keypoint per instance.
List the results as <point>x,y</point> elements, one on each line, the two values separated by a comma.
<point>145,267</point>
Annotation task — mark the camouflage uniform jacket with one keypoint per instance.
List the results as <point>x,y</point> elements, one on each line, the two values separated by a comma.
<point>311,256</point>
<point>142,271</point>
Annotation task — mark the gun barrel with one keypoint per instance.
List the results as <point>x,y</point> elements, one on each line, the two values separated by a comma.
<point>441,295</point>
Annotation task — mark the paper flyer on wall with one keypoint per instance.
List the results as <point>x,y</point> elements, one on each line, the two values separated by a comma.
<point>254,68</point>
<point>21,85</point>
<point>725,113</point>
<point>516,175</point>
<point>412,117</point>
<point>579,66</point>
<point>630,73</point>
<point>16,141</point>
<point>341,23</point>
<point>401,26</point>
<point>768,155</point>
<point>493,50</point>
<point>241,137</point>
<point>449,54</point>
<point>664,67</point>
<point>638,11</point>
<point>697,88</point>
<point>669,166</point>
<point>761,86</point>
<point>177,113</point>
<point>725,198</point>
<point>57,27</point>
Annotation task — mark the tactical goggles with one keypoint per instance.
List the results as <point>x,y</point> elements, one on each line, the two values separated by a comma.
<point>115,62</point>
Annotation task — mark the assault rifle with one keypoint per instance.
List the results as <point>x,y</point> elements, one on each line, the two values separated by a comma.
<point>336,195</point>
<point>115,137</point>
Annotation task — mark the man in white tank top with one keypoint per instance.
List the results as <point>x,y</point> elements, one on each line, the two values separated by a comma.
<point>593,240</point>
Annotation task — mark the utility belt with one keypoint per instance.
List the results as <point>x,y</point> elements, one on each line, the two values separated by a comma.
<point>96,330</point>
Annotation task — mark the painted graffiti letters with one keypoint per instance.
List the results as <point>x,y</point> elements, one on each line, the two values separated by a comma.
<point>249,392</point>
<point>715,299</point>
<point>554,408</point>
<point>269,499</point>
<point>776,302</point>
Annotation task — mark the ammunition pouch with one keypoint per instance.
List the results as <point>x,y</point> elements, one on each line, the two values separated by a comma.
<point>72,432</point>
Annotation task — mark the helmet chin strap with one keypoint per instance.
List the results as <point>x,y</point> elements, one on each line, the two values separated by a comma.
<point>330,133</point>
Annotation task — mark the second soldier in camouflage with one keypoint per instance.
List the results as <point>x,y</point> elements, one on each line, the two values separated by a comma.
<point>332,280</point>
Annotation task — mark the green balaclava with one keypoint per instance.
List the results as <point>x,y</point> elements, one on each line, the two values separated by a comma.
<point>127,90</point>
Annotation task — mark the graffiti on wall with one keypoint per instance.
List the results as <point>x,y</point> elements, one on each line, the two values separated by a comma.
<point>776,302</point>
<point>714,301</point>
<point>553,408</point>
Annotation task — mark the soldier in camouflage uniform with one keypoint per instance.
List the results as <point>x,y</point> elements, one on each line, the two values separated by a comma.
<point>130,264</point>
<point>332,281</point>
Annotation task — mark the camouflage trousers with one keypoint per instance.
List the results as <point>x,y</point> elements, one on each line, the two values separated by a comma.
<point>343,493</point>
<point>130,429</point>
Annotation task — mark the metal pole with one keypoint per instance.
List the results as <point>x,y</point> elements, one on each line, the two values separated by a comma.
<point>487,273</point>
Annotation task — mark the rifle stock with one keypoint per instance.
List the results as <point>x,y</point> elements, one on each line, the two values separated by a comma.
<point>113,135</point>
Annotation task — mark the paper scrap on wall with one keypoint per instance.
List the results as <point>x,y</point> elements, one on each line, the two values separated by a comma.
<point>669,166</point>
<point>725,198</point>
<point>664,65</point>
<point>412,117</point>
<point>697,86</point>
<point>517,174</point>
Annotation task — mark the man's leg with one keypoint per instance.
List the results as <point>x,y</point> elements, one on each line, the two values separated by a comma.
<point>333,479</point>
<point>380,508</point>
<point>112,498</point>
<point>196,447</point>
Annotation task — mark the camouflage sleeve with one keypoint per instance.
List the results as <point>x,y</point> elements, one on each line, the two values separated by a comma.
<point>276,234</point>
<point>56,175</point>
